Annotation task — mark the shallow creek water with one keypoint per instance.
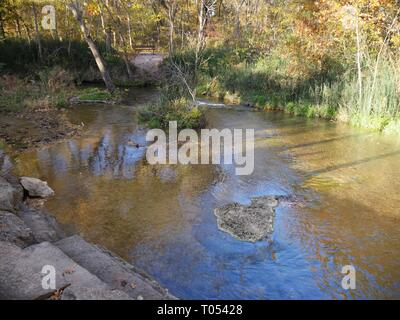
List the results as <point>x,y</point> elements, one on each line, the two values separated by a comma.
<point>161,217</point>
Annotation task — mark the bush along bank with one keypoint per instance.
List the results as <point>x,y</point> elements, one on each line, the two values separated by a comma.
<point>181,110</point>
<point>174,104</point>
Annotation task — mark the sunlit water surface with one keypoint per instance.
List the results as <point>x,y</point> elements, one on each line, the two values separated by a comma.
<point>161,217</point>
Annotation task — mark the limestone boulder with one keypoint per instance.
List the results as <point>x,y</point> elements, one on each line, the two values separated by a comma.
<point>36,187</point>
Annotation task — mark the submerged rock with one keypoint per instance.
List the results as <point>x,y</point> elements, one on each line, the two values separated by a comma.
<point>251,223</point>
<point>36,187</point>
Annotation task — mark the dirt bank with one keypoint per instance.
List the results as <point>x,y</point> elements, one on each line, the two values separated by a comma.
<point>31,128</point>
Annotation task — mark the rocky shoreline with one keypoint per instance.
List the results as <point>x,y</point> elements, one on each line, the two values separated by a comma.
<point>31,239</point>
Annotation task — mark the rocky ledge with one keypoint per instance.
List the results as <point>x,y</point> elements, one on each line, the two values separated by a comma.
<point>31,239</point>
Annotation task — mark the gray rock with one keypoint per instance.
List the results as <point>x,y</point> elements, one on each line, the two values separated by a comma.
<point>248,223</point>
<point>43,225</point>
<point>36,187</point>
<point>117,273</point>
<point>5,163</point>
<point>21,277</point>
<point>14,181</point>
<point>10,196</point>
<point>14,230</point>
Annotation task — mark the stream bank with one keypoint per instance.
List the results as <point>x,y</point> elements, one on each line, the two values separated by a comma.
<point>31,129</point>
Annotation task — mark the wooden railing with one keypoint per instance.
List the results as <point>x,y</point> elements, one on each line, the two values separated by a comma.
<point>146,48</point>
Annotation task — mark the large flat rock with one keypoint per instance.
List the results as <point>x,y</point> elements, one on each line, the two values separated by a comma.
<point>36,187</point>
<point>114,271</point>
<point>21,277</point>
<point>14,230</point>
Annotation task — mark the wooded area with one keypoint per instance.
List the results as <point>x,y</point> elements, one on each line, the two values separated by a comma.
<point>333,59</point>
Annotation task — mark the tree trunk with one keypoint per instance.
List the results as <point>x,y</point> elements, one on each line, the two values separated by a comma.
<point>359,72</point>
<point>125,55</point>
<point>129,31</point>
<point>171,8</point>
<point>171,37</point>
<point>56,31</point>
<point>114,33</point>
<point>238,8</point>
<point>18,27</point>
<point>106,31</point>
<point>38,38</point>
<point>237,24</point>
<point>126,58</point>
<point>76,10</point>
<point>200,44</point>
<point>28,34</point>
<point>2,32</point>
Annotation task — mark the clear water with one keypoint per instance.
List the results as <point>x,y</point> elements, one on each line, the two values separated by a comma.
<point>161,217</point>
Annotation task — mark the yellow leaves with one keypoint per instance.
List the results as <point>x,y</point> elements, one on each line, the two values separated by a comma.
<point>137,6</point>
<point>395,41</point>
<point>93,9</point>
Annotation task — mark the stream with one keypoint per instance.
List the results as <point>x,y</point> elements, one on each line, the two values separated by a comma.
<point>161,218</point>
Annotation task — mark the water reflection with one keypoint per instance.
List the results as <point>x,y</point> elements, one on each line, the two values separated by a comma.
<point>112,151</point>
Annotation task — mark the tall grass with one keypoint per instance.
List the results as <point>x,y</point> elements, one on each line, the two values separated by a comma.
<point>379,105</point>
<point>331,92</point>
<point>52,90</point>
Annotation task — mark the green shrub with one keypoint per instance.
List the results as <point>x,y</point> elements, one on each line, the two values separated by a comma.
<point>182,110</point>
<point>94,94</point>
